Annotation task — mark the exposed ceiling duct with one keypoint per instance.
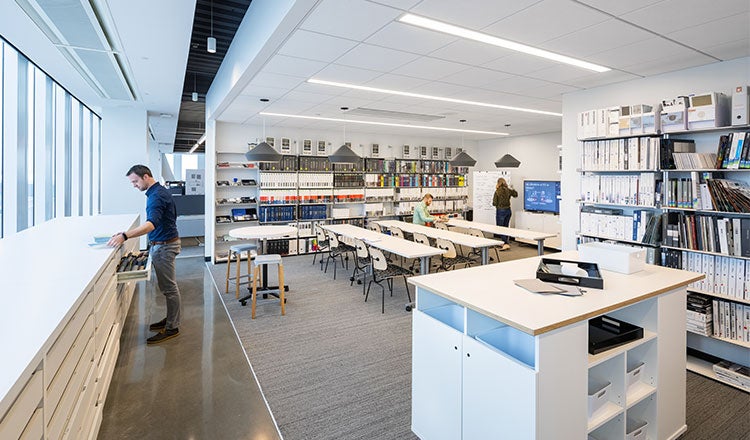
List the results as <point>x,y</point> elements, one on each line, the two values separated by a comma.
<point>83,32</point>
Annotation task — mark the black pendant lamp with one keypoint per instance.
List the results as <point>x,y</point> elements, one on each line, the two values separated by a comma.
<point>263,153</point>
<point>507,161</point>
<point>462,159</point>
<point>344,155</point>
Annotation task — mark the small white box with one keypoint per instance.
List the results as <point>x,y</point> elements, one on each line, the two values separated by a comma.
<point>635,429</point>
<point>597,395</point>
<point>614,257</point>
<point>634,376</point>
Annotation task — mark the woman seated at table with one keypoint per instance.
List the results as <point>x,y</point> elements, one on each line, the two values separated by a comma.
<point>422,215</point>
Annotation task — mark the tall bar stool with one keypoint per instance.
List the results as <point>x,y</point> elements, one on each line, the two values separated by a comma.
<point>236,251</point>
<point>259,261</point>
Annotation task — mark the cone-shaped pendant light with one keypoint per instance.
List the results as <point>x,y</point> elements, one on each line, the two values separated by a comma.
<point>462,159</point>
<point>263,153</point>
<point>344,155</point>
<point>507,161</point>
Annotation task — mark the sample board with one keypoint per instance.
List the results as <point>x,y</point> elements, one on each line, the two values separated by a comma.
<point>483,188</point>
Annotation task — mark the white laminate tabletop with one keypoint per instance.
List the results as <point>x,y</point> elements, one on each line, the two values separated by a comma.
<point>490,291</point>
<point>395,245</point>
<point>45,271</point>
<point>263,231</point>
<point>455,237</point>
<point>500,230</point>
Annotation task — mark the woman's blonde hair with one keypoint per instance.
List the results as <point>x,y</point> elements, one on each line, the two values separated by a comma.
<point>501,182</point>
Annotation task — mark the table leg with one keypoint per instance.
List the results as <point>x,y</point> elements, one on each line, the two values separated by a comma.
<point>265,289</point>
<point>424,269</point>
<point>540,246</point>
<point>484,256</point>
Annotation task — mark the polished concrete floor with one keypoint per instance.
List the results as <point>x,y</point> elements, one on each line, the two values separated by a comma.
<point>196,386</point>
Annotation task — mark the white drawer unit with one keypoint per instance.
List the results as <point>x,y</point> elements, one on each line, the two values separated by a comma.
<point>58,373</point>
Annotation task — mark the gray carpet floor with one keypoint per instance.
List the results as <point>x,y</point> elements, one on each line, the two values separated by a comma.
<point>336,368</point>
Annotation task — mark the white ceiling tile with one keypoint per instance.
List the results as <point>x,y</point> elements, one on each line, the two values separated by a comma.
<point>347,74</point>
<point>256,91</point>
<point>409,38</point>
<point>301,96</point>
<point>601,79</point>
<point>559,73</point>
<point>642,51</point>
<point>491,97</point>
<point>668,64</point>
<point>396,82</point>
<point>293,66</point>
<point>319,89</point>
<point>519,64</point>
<point>367,56</point>
<point>470,52</point>
<point>265,79</point>
<point>314,46</point>
<point>549,91</point>
<point>477,15</point>
<point>597,38</point>
<point>429,68</point>
<point>289,106</point>
<point>475,77</point>
<point>730,50</point>
<point>515,84</point>
<point>732,28</point>
<point>619,8</point>
<point>672,15</point>
<point>439,88</point>
<point>399,4</point>
<point>352,19</point>
<point>544,21</point>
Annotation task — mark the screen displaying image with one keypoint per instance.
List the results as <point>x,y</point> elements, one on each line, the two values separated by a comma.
<point>541,196</point>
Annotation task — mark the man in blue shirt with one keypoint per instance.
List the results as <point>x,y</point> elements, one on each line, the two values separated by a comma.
<point>421,215</point>
<point>161,227</point>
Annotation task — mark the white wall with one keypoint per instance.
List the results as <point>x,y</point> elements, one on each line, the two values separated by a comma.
<point>717,77</point>
<point>124,144</point>
<point>538,155</point>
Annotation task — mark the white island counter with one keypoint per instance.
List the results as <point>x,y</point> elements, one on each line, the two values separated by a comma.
<point>60,320</point>
<point>493,360</point>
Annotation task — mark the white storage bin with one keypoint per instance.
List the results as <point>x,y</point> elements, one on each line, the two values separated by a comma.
<point>634,375</point>
<point>598,395</point>
<point>635,430</point>
<point>614,257</point>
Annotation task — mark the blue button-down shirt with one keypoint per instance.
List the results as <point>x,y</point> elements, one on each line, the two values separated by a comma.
<point>162,213</point>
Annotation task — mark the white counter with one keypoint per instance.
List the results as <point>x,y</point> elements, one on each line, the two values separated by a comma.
<point>490,290</point>
<point>45,270</point>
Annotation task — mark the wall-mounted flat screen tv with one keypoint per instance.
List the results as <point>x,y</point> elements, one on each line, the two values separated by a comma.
<point>541,196</point>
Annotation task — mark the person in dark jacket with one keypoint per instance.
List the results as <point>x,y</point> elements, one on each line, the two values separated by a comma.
<point>501,202</point>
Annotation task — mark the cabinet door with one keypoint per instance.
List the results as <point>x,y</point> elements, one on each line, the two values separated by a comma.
<point>436,379</point>
<point>499,395</point>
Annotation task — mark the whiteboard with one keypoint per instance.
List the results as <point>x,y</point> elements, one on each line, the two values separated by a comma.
<point>483,189</point>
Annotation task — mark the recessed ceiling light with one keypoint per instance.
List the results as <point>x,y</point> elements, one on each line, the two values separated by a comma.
<point>264,99</point>
<point>432,97</point>
<point>462,120</point>
<point>343,109</point>
<point>469,34</point>
<point>386,124</point>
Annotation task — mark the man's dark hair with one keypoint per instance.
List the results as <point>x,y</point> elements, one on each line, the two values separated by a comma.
<point>139,170</point>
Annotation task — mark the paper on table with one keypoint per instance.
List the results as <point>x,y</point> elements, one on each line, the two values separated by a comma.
<point>537,286</point>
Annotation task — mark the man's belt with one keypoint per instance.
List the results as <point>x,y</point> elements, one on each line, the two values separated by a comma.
<point>165,242</point>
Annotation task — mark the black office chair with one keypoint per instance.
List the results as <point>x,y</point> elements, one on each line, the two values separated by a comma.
<point>383,271</point>
<point>362,263</point>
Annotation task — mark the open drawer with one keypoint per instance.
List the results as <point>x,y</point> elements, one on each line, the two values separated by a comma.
<point>134,266</point>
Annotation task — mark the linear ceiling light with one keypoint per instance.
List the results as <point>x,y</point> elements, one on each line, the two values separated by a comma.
<point>495,41</point>
<point>435,98</point>
<point>386,124</point>
<point>198,143</point>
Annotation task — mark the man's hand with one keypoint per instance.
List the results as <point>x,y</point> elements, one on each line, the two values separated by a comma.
<point>116,240</point>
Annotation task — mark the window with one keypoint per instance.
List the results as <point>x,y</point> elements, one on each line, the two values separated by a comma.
<point>50,148</point>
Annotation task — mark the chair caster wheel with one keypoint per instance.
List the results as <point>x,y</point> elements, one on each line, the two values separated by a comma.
<point>351,278</point>
<point>244,303</point>
<point>359,281</point>
<point>408,308</point>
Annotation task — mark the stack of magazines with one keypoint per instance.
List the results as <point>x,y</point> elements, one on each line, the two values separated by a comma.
<point>736,374</point>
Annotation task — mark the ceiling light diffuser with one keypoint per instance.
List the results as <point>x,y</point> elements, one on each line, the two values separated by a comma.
<point>432,97</point>
<point>469,34</point>
<point>386,124</point>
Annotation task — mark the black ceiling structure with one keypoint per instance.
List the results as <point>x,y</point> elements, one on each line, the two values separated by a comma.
<point>202,65</point>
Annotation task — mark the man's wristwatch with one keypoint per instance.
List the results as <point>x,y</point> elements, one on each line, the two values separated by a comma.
<point>124,235</point>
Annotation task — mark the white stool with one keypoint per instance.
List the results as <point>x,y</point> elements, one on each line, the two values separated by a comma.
<point>268,259</point>
<point>236,251</point>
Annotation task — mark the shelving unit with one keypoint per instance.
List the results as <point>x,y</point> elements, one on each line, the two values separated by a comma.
<point>516,365</point>
<point>239,192</point>
<point>690,236</point>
